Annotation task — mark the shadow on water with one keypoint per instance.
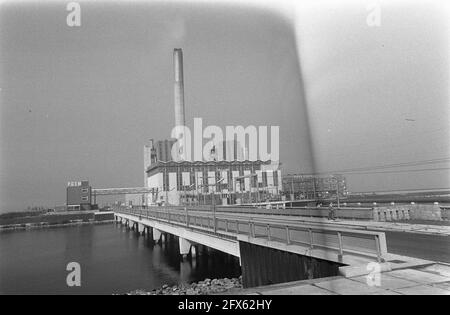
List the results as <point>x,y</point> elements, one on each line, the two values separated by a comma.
<point>208,263</point>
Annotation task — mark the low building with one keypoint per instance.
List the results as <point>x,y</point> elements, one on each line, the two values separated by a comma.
<point>79,195</point>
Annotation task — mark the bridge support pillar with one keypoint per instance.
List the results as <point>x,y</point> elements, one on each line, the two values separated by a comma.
<point>140,228</point>
<point>185,246</point>
<point>193,251</point>
<point>258,268</point>
<point>156,235</point>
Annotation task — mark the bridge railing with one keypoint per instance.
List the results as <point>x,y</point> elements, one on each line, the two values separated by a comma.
<point>350,213</point>
<point>341,241</point>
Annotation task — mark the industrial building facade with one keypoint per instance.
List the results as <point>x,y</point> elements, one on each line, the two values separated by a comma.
<point>228,182</point>
<point>79,195</point>
<point>314,187</point>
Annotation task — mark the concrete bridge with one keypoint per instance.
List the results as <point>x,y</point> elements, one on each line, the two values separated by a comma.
<point>269,251</point>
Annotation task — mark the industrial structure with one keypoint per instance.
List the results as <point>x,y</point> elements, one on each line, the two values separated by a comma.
<point>207,182</point>
<point>228,180</point>
<point>313,187</point>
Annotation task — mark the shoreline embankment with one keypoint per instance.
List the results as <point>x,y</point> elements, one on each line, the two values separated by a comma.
<point>56,220</point>
<point>205,287</point>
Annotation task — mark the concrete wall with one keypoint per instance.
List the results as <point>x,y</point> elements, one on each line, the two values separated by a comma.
<point>343,213</point>
<point>408,212</point>
<point>445,213</point>
<point>263,266</point>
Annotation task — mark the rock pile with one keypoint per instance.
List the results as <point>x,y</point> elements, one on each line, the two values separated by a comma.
<point>204,287</point>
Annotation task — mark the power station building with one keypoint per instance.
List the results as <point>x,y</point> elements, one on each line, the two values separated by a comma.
<point>226,178</point>
<point>204,182</point>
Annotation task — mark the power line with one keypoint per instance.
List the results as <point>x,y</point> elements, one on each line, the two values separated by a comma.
<point>429,190</point>
<point>386,166</point>
<point>398,171</point>
<point>415,163</point>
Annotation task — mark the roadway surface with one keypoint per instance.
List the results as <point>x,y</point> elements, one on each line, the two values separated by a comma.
<point>404,242</point>
<point>430,247</point>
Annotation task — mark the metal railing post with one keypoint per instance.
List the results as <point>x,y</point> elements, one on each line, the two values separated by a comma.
<point>311,240</point>
<point>215,225</point>
<point>288,236</point>
<point>377,244</point>
<point>341,249</point>
<point>237,226</point>
<point>268,232</point>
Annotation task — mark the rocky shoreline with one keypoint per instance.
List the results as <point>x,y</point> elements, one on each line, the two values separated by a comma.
<point>205,287</point>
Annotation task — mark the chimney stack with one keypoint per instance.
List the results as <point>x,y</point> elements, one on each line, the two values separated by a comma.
<point>179,87</point>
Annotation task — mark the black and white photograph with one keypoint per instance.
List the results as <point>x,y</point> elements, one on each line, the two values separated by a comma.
<point>224,152</point>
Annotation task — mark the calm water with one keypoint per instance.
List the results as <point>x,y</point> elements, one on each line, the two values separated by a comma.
<point>112,258</point>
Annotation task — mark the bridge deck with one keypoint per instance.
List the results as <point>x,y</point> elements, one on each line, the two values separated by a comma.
<point>339,244</point>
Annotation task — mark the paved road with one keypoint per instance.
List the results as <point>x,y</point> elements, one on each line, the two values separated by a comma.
<point>431,247</point>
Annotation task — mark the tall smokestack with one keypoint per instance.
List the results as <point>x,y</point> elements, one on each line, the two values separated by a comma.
<point>179,87</point>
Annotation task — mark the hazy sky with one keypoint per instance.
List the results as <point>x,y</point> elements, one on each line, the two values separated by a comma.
<point>80,103</point>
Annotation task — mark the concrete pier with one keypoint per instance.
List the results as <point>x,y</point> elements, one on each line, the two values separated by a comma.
<point>193,251</point>
<point>140,228</point>
<point>185,246</point>
<point>156,235</point>
<point>263,265</point>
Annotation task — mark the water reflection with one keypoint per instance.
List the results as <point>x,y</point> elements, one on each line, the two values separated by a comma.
<point>113,259</point>
<point>208,262</point>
